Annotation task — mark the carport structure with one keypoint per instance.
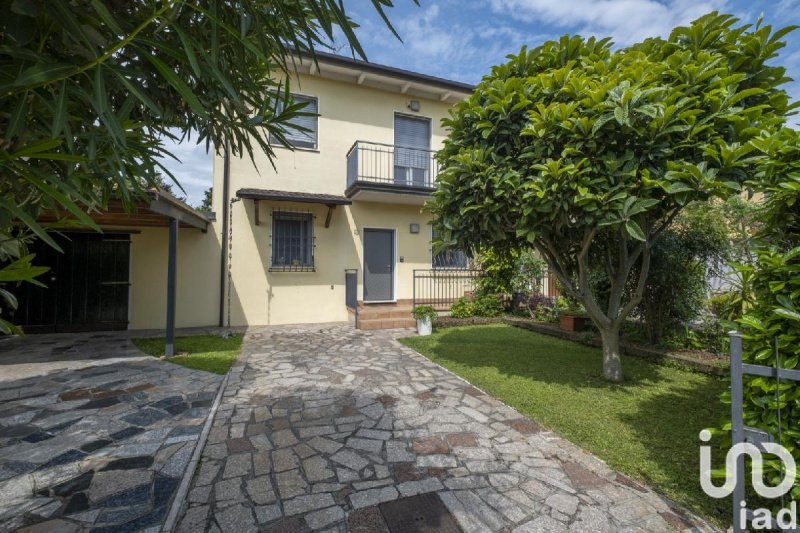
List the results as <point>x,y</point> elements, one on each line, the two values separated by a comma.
<point>59,306</point>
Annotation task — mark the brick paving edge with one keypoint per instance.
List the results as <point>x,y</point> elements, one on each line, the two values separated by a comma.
<point>180,497</point>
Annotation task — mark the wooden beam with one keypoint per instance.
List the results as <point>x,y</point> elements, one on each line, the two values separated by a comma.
<point>361,77</point>
<point>164,207</point>
<point>331,207</point>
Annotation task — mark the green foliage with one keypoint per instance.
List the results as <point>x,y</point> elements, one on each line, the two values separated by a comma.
<point>462,308</point>
<point>205,205</point>
<point>423,312</point>
<point>573,145</point>
<point>487,305</point>
<point>683,259</point>
<point>499,268</point>
<point>91,90</point>
<point>726,305</point>
<point>530,271</point>
<point>771,325</point>
<point>542,309</point>
<point>507,271</point>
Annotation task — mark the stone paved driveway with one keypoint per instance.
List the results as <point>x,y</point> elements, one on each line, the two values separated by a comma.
<point>321,424</point>
<point>94,435</point>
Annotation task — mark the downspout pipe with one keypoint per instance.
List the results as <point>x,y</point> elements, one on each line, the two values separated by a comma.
<point>223,256</point>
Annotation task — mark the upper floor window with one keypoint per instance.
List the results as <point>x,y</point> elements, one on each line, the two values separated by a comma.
<point>412,154</point>
<point>304,136</point>
<point>449,258</point>
<point>292,241</point>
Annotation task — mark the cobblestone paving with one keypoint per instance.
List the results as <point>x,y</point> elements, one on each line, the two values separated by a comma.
<point>94,436</point>
<point>320,424</point>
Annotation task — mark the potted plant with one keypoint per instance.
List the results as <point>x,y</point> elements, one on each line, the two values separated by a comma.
<point>572,316</point>
<point>424,315</point>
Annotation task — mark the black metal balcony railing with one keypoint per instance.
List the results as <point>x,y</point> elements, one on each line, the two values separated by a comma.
<point>391,165</point>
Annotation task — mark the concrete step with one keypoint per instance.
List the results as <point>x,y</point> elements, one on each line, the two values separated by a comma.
<point>385,313</point>
<point>385,323</point>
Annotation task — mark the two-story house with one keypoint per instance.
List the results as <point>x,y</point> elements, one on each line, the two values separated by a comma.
<point>348,196</point>
<point>338,220</point>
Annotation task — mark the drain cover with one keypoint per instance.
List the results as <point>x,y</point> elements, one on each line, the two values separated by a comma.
<point>424,513</point>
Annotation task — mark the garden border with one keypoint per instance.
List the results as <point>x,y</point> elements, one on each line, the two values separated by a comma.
<point>589,339</point>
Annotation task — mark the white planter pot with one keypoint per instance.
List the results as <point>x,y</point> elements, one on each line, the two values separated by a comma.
<point>424,326</point>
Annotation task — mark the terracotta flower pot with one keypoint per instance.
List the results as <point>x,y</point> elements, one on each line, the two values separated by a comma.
<point>569,322</point>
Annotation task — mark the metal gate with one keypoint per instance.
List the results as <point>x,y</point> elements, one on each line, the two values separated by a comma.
<point>742,433</point>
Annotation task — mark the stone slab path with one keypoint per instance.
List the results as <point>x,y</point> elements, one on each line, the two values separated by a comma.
<point>319,425</point>
<point>94,435</point>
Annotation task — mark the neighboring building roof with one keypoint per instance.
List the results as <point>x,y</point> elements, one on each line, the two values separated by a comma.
<point>291,196</point>
<point>351,70</point>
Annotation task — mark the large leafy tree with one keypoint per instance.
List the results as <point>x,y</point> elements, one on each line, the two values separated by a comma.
<point>587,154</point>
<point>91,88</point>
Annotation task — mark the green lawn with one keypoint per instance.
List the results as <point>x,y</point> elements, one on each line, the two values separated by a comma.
<point>646,427</point>
<point>211,353</point>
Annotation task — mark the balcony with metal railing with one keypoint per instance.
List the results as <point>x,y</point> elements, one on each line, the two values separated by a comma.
<point>387,173</point>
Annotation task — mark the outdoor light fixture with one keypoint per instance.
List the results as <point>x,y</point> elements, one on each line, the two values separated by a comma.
<point>413,228</point>
<point>413,105</point>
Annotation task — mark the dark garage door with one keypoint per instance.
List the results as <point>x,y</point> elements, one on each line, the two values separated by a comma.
<point>87,285</point>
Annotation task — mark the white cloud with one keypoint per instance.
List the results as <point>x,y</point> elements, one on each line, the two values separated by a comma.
<point>435,43</point>
<point>193,170</point>
<point>626,21</point>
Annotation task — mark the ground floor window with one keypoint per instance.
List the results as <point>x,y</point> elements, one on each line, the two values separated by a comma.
<point>292,241</point>
<point>449,258</point>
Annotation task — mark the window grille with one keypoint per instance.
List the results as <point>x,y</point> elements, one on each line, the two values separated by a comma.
<point>452,259</point>
<point>292,241</point>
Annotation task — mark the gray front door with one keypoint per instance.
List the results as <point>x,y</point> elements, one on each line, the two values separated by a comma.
<point>378,265</point>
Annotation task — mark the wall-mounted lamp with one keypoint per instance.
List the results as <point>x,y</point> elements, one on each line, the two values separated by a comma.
<point>413,105</point>
<point>413,228</point>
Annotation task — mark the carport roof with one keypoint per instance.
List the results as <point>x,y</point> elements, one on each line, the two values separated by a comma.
<point>155,210</point>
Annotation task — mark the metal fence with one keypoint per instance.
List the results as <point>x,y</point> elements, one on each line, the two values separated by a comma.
<point>740,432</point>
<point>441,288</point>
<point>389,164</point>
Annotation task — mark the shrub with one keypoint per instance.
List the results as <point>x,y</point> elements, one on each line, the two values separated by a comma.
<point>726,305</point>
<point>487,305</point>
<point>462,308</point>
<point>423,312</point>
<point>541,308</point>
<point>509,271</point>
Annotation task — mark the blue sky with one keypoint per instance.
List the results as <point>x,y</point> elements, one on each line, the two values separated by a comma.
<point>462,39</point>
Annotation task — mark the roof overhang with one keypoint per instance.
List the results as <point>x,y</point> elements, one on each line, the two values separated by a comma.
<point>291,196</point>
<point>383,77</point>
<point>271,195</point>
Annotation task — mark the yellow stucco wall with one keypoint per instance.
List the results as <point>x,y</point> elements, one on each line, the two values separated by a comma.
<point>259,296</point>
<point>349,112</point>
<point>198,278</point>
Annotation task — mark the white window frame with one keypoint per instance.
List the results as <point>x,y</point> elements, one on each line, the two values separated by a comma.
<point>275,142</point>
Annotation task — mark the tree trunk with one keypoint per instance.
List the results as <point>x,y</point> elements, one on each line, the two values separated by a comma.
<point>612,365</point>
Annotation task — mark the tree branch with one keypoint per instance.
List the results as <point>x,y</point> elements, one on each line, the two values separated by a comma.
<point>640,285</point>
